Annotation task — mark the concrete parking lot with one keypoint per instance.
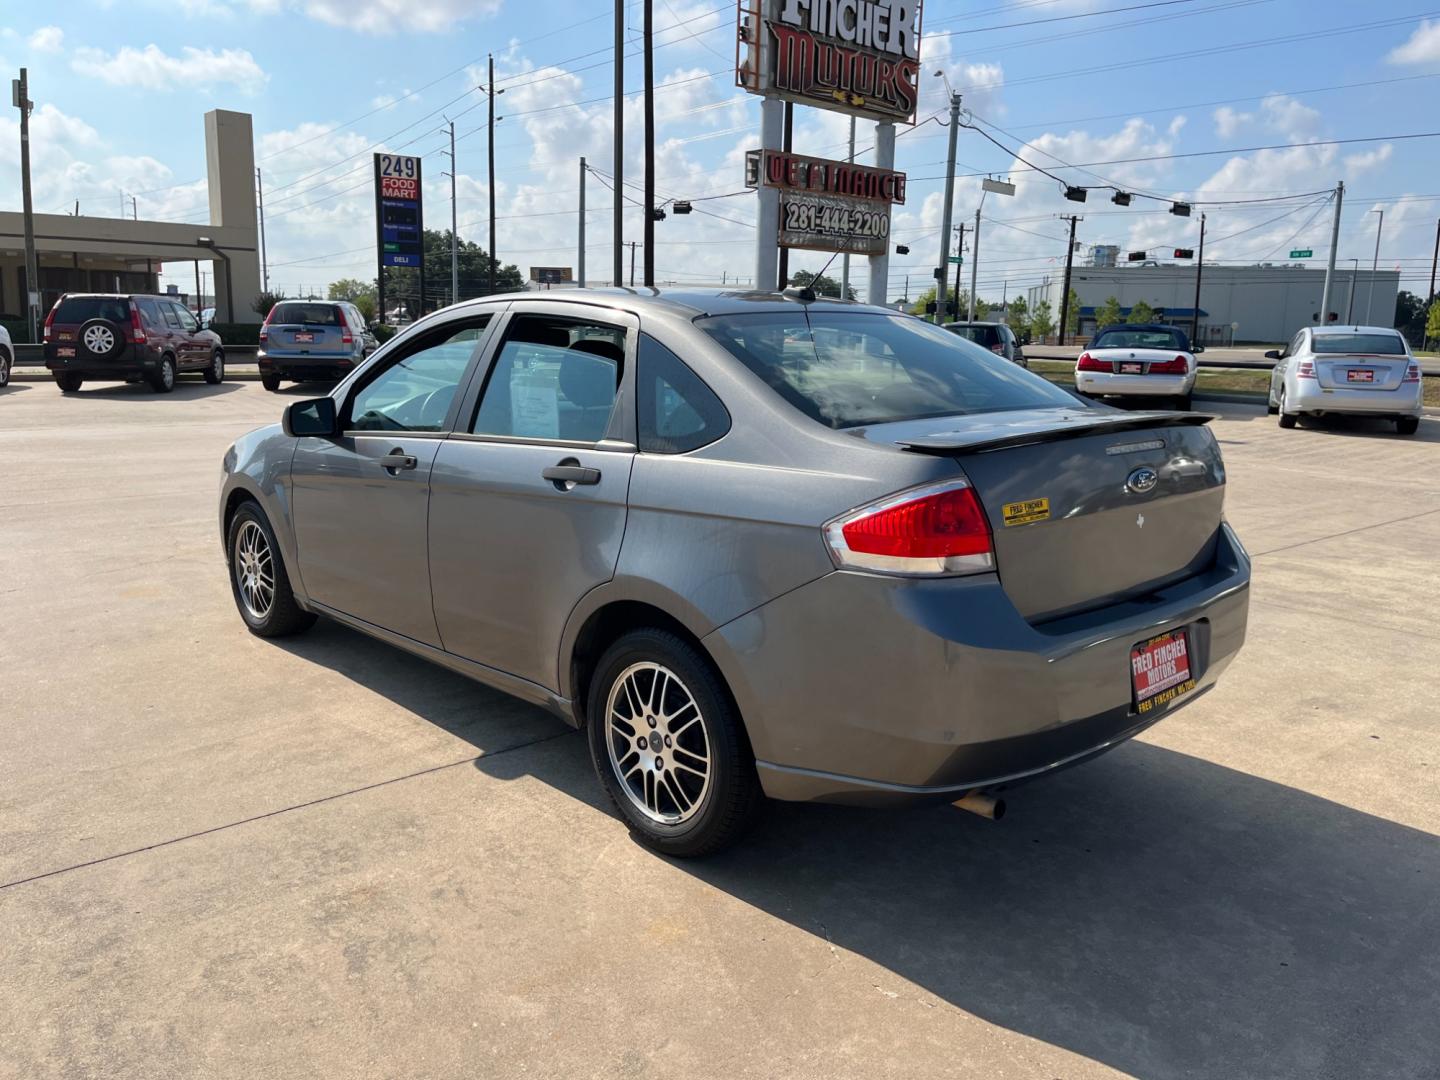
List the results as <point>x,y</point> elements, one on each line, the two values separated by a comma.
<point>226,857</point>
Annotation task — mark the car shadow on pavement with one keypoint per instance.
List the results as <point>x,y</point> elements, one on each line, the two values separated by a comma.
<point>184,390</point>
<point>1152,911</point>
<point>1365,427</point>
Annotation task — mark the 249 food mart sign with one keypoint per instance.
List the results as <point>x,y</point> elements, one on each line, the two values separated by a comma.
<point>828,205</point>
<point>399,212</point>
<point>859,57</point>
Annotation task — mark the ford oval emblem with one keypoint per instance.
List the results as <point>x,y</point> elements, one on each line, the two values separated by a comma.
<point>1142,480</point>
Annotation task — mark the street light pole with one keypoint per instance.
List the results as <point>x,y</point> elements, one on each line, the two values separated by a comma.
<point>490,93</point>
<point>845,258</point>
<point>1374,269</point>
<point>974,257</point>
<point>647,34</point>
<point>946,209</point>
<point>580,254</point>
<point>1069,261</point>
<point>1354,273</point>
<point>20,93</point>
<point>264,251</point>
<point>1199,274</point>
<point>1334,245</point>
<point>618,167</point>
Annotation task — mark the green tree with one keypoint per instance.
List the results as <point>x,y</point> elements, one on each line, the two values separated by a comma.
<point>820,284</point>
<point>264,301</point>
<point>1108,313</point>
<point>1432,324</point>
<point>402,287</point>
<point>1072,313</point>
<point>928,297</point>
<point>1410,317</point>
<point>1042,323</point>
<point>359,293</point>
<point>1141,313</point>
<point>1018,315</point>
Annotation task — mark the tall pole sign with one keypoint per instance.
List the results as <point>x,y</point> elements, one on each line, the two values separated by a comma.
<point>856,57</point>
<point>399,219</point>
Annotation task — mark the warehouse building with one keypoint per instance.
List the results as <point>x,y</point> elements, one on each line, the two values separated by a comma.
<point>1238,304</point>
<point>101,254</point>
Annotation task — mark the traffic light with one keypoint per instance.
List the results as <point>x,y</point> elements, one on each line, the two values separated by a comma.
<point>1184,253</point>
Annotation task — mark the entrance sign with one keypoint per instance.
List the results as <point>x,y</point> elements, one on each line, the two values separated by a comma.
<point>399,213</point>
<point>858,57</point>
<point>828,205</point>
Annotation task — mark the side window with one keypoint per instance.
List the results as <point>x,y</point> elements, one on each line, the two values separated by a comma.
<point>150,312</point>
<point>172,317</point>
<point>414,391</point>
<point>187,320</point>
<point>554,378</point>
<point>1296,344</point>
<point>678,412</point>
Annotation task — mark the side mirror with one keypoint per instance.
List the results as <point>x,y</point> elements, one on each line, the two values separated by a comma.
<point>1196,350</point>
<point>1273,354</point>
<point>315,417</point>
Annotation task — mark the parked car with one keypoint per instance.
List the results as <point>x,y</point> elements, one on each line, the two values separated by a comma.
<point>997,337</point>
<point>7,356</point>
<point>1139,361</point>
<point>1335,370</point>
<point>755,546</point>
<point>312,339</point>
<point>131,337</point>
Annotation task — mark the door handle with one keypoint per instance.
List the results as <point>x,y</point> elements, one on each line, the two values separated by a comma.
<point>397,460</point>
<point>570,472</point>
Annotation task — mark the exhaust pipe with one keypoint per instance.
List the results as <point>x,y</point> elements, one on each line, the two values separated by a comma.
<point>985,806</point>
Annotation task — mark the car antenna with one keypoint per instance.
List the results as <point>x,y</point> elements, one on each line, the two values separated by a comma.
<point>807,295</point>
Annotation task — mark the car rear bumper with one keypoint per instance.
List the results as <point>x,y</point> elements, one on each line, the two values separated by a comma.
<point>305,366</point>
<point>873,690</point>
<point>1093,382</point>
<point>130,363</point>
<point>1311,397</point>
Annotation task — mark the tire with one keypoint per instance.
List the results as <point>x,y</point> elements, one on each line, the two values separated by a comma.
<point>1286,420</point>
<point>716,803</point>
<point>5,363</point>
<point>215,373</point>
<point>68,383</point>
<point>250,546</point>
<point>1407,425</point>
<point>163,381</point>
<point>270,382</point>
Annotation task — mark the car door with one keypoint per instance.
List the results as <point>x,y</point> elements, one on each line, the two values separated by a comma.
<point>193,352</point>
<point>1277,374</point>
<point>361,499</point>
<point>528,499</point>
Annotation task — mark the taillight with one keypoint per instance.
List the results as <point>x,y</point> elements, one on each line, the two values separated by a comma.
<point>346,337</point>
<point>1178,366</point>
<point>1089,363</point>
<point>998,350</point>
<point>1412,373</point>
<point>137,331</point>
<point>50,321</point>
<point>265,326</point>
<point>936,530</point>
<point>1306,370</point>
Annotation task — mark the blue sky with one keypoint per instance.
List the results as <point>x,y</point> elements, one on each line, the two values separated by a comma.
<point>122,88</point>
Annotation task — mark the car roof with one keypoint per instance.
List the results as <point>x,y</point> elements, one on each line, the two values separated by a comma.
<point>692,303</point>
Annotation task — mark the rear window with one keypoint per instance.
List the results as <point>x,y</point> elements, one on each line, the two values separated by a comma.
<point>79,309</point>
<point>846,369</point>
<point>1367,344</point>
<point>981,335</point>
<point>307,314</point>
<point>1141,339</point>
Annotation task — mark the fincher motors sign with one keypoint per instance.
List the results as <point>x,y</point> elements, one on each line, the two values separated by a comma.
<point>856,56</point>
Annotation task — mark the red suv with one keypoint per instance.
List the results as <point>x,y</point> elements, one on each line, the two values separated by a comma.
<point>110,336</point>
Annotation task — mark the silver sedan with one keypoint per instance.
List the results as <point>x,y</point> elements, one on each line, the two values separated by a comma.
<point>1349,370</point>
<point>757,545</point>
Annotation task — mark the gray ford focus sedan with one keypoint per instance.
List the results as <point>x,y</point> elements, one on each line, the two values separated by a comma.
<point>757,544</point>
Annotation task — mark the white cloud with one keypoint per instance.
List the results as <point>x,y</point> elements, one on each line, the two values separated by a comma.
<point>1289,117</point>
<point>1370,159</point>
<point>154,69</point>
<point>47,39</point>
<point>394,16</point>
<point>1422,48</point>
<point>1228,121</point>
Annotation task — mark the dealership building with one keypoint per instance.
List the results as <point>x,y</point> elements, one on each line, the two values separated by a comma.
<point>1265,303</point>
<point>100,254</point>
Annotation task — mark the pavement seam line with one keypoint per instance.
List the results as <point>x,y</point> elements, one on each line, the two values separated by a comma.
<point>287,809</point>
<point>1347,532</point>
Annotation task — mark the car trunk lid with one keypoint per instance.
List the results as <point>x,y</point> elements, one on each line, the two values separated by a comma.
<point>308,329</point>
<point>1123,361</point>
<point>1360,371</point>
<point>1088,508</point>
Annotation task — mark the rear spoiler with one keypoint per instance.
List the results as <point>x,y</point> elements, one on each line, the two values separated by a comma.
<point>997,433</point>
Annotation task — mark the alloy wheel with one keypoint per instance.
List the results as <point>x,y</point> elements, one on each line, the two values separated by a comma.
<point>99,340</point>
<point>659,744</point>
<point>254,570</point>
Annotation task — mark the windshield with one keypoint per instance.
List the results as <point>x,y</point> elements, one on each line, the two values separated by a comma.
<point>846,370</point>
<point>306,314</point>
<point>1366,344</point>
<point>981,335</point>
<point>1148,338</point>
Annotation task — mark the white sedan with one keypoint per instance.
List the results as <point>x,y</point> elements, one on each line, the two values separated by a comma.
<point>1139,361</point>
<point>1352,370</point>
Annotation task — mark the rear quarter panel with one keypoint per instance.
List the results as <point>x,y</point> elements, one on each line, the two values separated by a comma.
<point>258,465</point>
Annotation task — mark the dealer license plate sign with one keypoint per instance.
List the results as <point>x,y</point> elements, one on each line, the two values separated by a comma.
<point>1160,670</point>
<point>64,352</point>
<point>1130,369</point>
<point>304,337</point>
<point>1361,375</point>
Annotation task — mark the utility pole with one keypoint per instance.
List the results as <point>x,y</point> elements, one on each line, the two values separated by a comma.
<point>1434,261</point>
<point>647,35</point>
<point>1069,261</point>
<point>618,168</point>
<point>490,93</point>
<point>974,261</point>
<point>454,226</point>
<point>20,94</point>
<point>1199,272</point>
<point>845,259</point>
<point>1350,307</point>
<point>1330,263</point>
<point>632,262</point>
<point>787,138</point>
<point>135,214</point>
<point>945,210</point>
<point>1374,269</point>
<point>960,251</point>
<point>264,252</point>
<point>580,255</point>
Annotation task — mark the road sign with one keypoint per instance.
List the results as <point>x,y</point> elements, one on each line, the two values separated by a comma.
<point>957,260</point>
<point>399,215</point>
<point>1302,253</point>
